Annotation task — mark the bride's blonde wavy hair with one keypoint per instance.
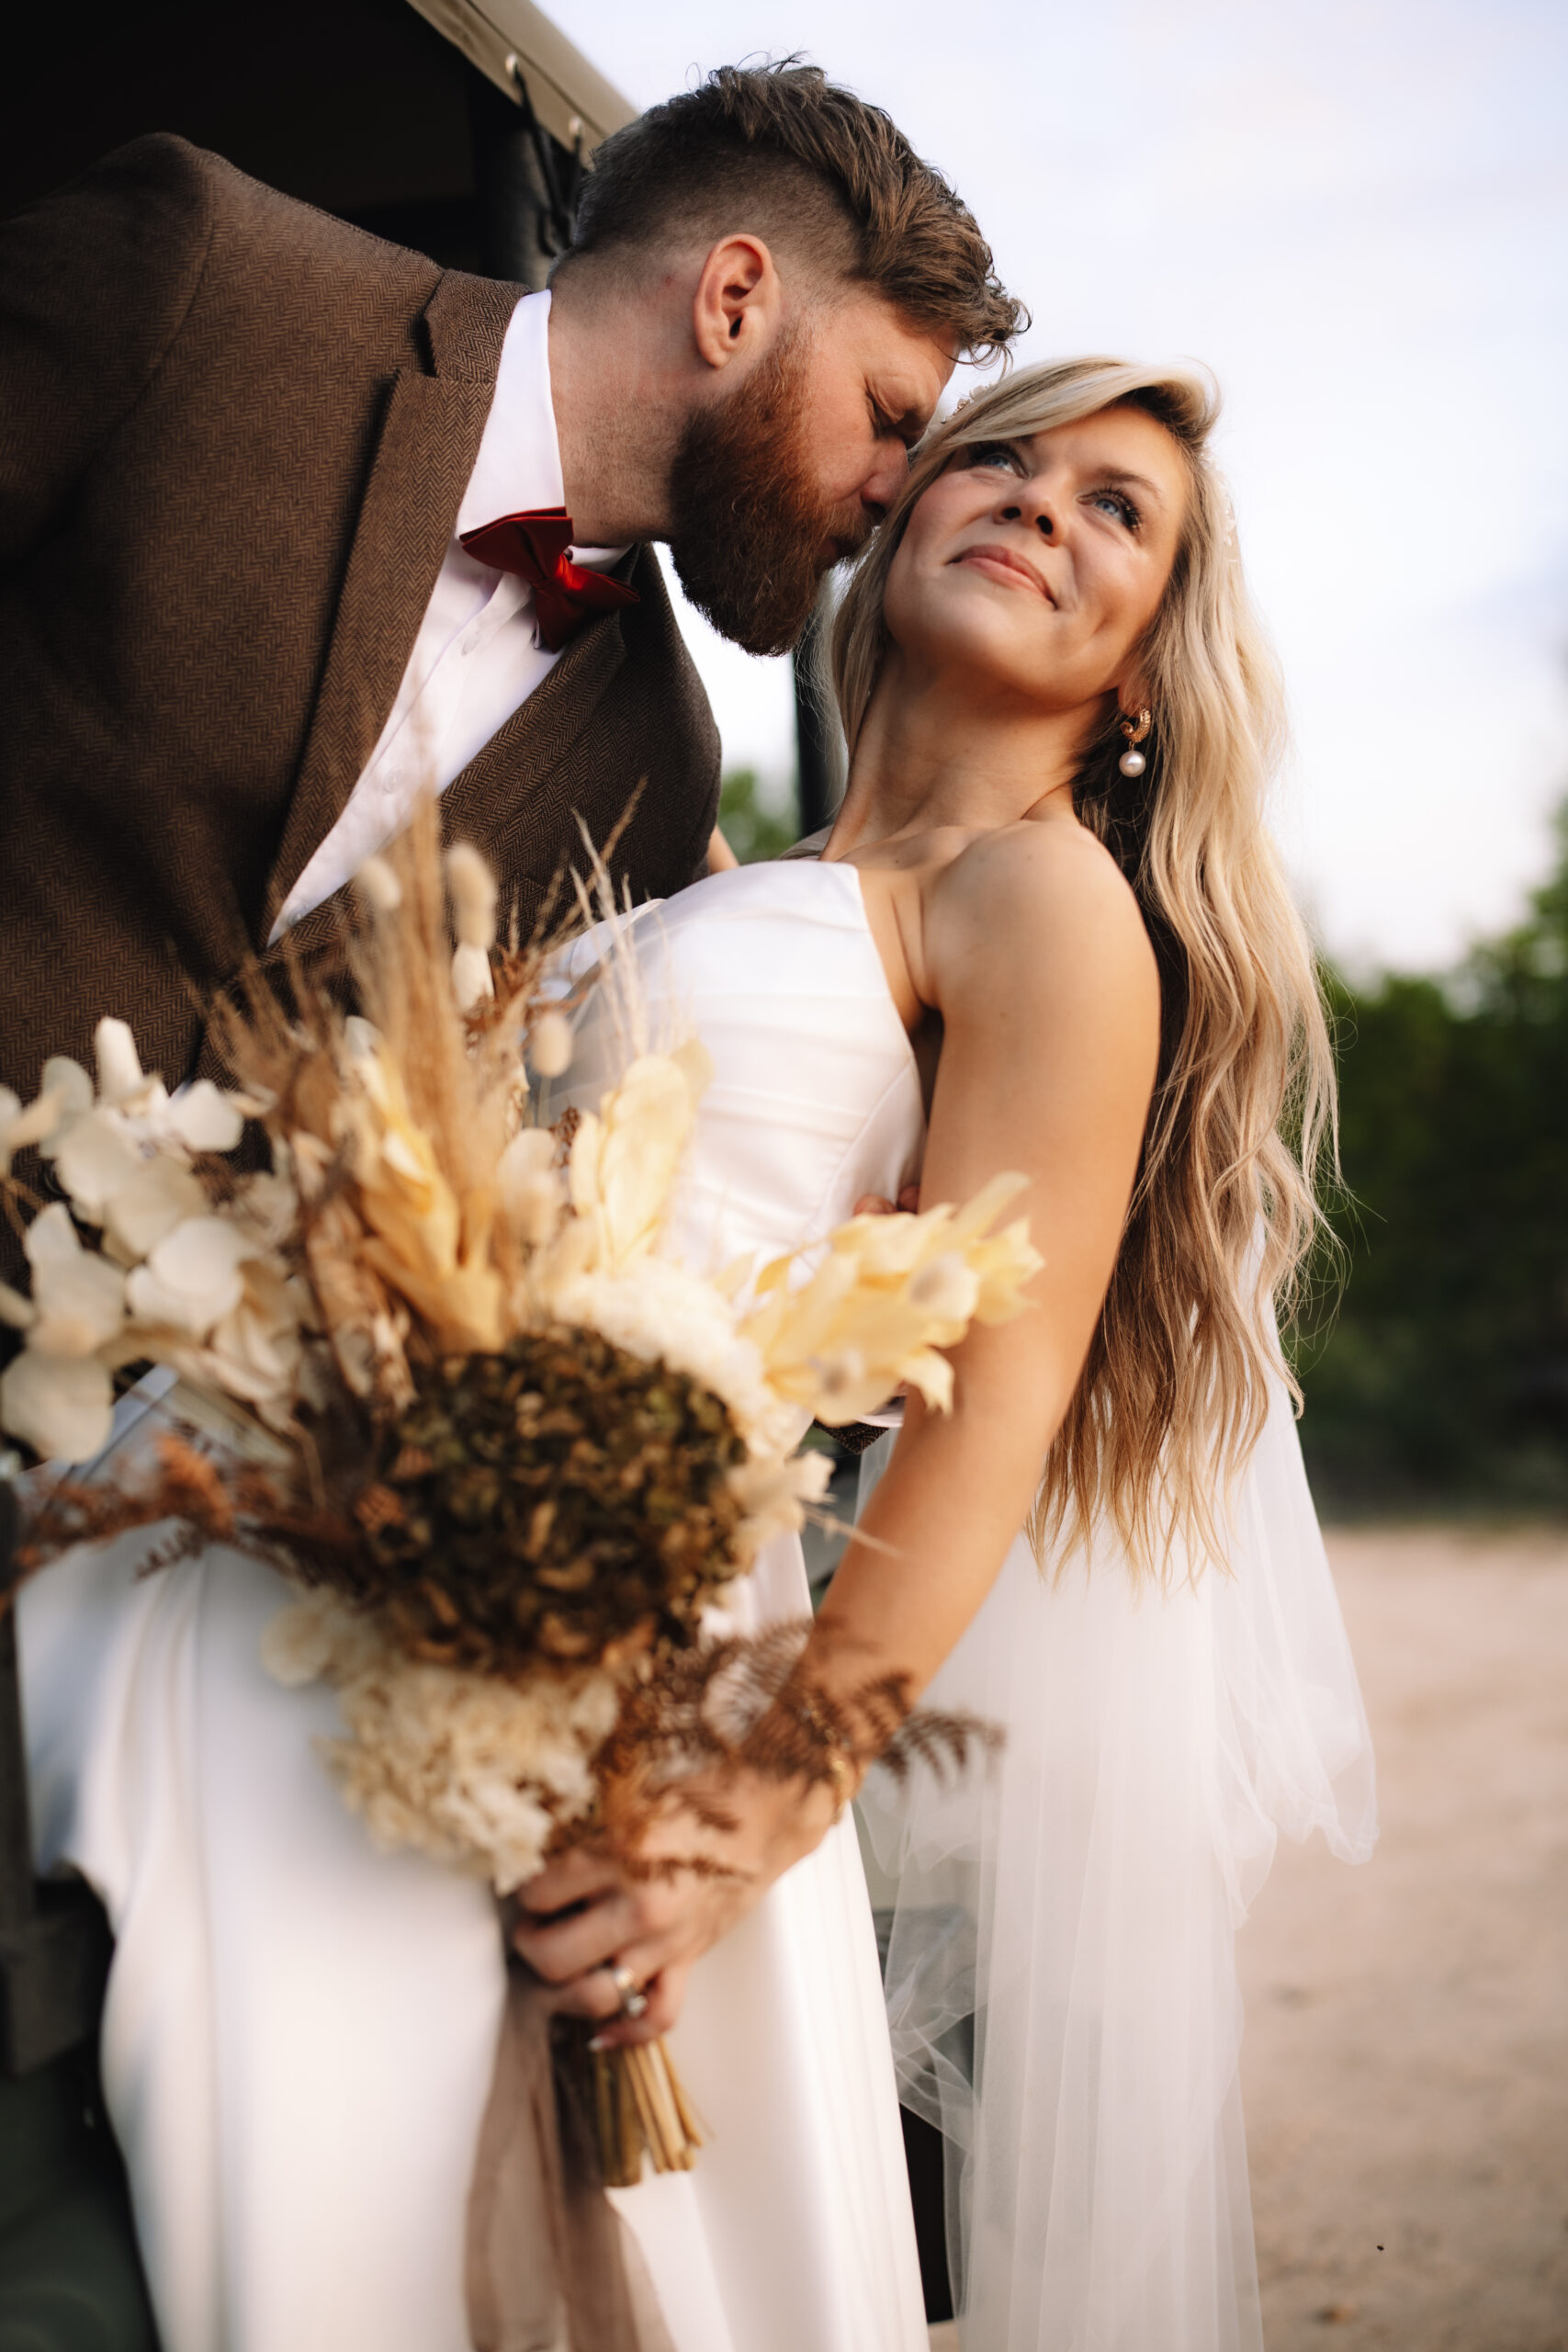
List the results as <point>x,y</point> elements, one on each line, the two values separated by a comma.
<point>1224,1214</point>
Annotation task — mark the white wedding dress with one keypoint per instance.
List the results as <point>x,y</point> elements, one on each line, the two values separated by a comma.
<point>298,2034</point>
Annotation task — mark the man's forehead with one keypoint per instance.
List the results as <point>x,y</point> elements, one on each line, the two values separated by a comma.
<point>903,357</point>
<point>867,319</point>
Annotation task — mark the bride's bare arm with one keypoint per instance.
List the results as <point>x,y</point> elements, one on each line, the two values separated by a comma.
<point>1031,948</point>
<point>1036,957</point>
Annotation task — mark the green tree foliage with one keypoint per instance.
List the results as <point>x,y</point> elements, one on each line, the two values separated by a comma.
<point>753,831</point>
<point>1445,1373</point>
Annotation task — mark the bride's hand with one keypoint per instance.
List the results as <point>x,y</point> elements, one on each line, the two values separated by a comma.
<point>584,1916</point>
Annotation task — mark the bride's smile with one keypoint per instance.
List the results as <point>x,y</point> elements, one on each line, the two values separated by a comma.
<point>1001,563</point>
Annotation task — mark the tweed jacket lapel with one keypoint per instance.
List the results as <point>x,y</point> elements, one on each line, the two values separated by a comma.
<point>429,442</point>
<point>510,776</point>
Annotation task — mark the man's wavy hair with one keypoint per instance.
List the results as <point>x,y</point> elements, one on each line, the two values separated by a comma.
<point>1224,1214</point>
<point>829,181</point>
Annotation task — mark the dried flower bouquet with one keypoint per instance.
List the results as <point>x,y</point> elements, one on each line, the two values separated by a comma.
<point>432,1362</point>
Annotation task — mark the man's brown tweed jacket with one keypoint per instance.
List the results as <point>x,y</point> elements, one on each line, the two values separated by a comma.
<point>235,435</point>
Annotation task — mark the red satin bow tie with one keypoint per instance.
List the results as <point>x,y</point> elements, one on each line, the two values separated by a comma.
<point>534,546</point>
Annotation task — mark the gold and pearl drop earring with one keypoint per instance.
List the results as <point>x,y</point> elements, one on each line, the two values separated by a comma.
<point>1131,762</point>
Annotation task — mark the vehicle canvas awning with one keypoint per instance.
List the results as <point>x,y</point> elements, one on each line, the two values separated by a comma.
<point>508,38</point>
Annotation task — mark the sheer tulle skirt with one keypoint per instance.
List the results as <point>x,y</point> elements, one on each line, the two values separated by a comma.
<point>1061,1982</point>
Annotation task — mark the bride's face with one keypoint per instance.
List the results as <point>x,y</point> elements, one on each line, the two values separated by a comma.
<point>1033,568</point>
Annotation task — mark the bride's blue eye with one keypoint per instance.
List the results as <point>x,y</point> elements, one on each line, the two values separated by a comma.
<point>1120,504</point>
<point>994,453</point>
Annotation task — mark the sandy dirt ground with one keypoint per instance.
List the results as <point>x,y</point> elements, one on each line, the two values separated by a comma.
<point>1405,2060</point>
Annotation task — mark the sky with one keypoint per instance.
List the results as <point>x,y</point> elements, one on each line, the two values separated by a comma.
<point>1355,212</point>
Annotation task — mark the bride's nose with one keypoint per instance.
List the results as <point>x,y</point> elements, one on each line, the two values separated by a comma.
<point>1031,502</point>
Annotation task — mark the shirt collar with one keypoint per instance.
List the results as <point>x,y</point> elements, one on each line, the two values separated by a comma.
<point>518,467</point>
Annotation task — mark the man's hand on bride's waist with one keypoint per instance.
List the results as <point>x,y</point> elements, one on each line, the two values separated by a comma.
<point>878,1205</point>
<point>589,1928</point>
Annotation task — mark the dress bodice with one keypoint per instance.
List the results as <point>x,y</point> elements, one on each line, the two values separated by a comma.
<point>815,1098</point>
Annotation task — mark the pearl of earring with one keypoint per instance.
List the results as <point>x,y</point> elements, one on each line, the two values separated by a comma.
<point>1131,762</point>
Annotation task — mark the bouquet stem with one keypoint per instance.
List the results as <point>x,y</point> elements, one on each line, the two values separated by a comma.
<point>639,2110</point>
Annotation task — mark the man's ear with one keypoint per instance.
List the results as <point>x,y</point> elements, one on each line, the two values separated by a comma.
<point>738,307</point>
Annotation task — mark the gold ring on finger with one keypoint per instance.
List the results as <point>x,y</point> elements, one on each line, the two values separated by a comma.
<point>634,2000</point>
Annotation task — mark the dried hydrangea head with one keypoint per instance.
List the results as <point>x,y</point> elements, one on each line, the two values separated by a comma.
<point>562,1499</point>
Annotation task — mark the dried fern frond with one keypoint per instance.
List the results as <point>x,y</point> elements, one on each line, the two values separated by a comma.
<point>752,1703</point>
<point>208,1497</point>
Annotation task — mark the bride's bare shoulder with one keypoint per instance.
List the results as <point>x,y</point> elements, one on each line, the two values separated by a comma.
<point>1041,902</point>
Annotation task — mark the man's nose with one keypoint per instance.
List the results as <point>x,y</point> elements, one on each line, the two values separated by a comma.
<point>888,473</point>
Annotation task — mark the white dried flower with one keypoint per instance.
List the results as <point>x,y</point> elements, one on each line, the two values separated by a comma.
<point>160,1193</point>
<point>531,1189</point>
<point>256,1351</point>
<point>123,1159</point>
<point>51,1237</point>
<point>659,1307</point>
<point>775,1495</point>
<point>94,1160</point>
<point>78,1304</point>
<point>317,1633</point>
<point>269,1206</point>
<point>192,1278</point>
<point>21,1125</point>
<point>624,1160</point>
<point>69,1083</point>
<point>61,1405</point>
<point>531,1152</point>
<point>472,1767</point>
<point>203,1118</point>
<point>890,1294</point>
<point>121,1075</point>
<point>535,1207</point>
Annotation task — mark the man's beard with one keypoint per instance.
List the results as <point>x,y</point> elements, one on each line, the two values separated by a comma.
<point>751,531</point>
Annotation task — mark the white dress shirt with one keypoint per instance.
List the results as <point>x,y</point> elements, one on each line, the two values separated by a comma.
<point>477,655</point>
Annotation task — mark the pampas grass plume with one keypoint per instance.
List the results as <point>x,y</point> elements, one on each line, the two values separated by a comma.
<point>379,887</point>
<point>550,1045</point>
<point>471,888</point>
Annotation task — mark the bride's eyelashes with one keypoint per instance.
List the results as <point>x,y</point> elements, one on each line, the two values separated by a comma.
<point>1000,454</point>
<point>1120,504</point>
